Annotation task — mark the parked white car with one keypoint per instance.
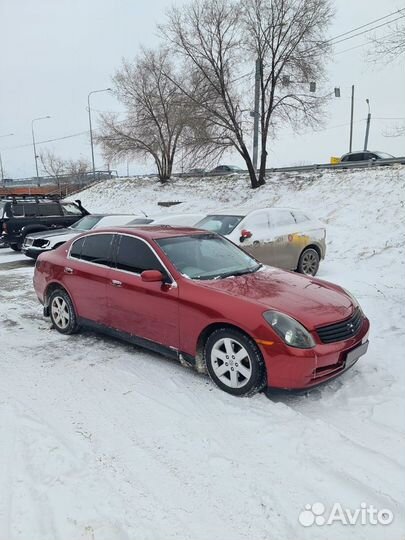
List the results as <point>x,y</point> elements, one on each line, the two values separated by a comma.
<point>282,237</point>
<point>37,243</point>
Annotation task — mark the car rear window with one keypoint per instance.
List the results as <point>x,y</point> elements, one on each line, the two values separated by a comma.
<point>95,248</point>
<point>219,223</point>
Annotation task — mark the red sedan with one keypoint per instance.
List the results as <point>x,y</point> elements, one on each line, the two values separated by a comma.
<point>199,298</point>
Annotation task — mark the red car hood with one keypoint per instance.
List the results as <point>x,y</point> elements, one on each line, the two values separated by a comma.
<point>311,301</point>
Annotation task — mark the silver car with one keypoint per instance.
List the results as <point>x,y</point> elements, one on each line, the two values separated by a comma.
<point>282,237</point>
<point>37,243</point>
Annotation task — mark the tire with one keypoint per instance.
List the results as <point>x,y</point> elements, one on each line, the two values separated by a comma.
<point>309,262</point>
<point>16,246</point>
<point>62,312</point>
<point>232,378</point>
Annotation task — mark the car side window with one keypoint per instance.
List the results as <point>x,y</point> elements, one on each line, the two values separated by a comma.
<point>49,209</point>
<point>281,218</point>
<point>299,216</point>
<point>17,210</point>
<point>70,209</point>
<point>30,210</point>
<point>134,255</point>
<point>97,249</point>
<point>76,249</point>
<point>256,221</point>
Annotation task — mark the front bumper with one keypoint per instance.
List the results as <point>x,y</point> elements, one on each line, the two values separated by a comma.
<point>33,252</point>
<point>298,369</point>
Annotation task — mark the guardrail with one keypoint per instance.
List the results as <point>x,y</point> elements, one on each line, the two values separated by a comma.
<point>313,167</point>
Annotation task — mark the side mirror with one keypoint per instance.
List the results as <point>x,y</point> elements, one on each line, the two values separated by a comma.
<point>244,234</point>
<point>152,275</point>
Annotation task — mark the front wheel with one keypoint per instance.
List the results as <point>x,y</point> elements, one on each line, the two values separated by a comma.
<point>16,246</point>
<point>309,262</point>
<point>234,362</point>
<point>62,312</point>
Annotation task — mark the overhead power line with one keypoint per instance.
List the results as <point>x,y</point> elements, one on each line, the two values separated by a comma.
<point>48,140</point>
<point>350,33</point>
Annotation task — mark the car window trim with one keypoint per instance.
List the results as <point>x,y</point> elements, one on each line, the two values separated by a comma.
<point>115,235</point>
<point>173,281</point>
<point>90,262</point>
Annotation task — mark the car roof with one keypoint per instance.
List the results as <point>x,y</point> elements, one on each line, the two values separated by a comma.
<point>153,232</point>
<point>237,211</point>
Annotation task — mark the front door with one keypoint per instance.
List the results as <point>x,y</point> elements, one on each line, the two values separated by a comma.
<point>145,310</point>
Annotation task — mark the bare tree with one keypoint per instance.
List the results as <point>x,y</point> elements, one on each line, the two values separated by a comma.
<point>217,38</point>
<point>287,37</point>
<point>53,165</point>
<point>77,170</point>
<point>391,45</point>
<point>157,115</point>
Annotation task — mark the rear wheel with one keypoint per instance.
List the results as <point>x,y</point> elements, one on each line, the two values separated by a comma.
<point>309,262</point>
<point>62,312</point>
<point>234,362</point>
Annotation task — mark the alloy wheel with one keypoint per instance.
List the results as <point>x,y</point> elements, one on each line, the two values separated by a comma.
<point>231,363</point>
<point>309,263</point>
<point>60,312</point>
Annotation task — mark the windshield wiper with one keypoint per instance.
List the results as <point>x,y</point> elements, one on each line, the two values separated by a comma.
<point>240,272</point>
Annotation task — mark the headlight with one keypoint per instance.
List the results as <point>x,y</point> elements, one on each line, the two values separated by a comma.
<point>290,330</point>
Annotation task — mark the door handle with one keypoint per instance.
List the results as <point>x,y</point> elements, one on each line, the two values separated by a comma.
<point>68,270</point>
<point>116,283</point>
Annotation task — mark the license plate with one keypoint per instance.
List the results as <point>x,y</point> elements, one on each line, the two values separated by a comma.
<point>355,354</point>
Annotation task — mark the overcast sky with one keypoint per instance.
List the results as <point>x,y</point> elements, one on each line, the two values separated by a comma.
<point>54,52</point>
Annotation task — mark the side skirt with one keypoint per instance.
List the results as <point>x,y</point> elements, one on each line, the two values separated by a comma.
<point>138,341</point>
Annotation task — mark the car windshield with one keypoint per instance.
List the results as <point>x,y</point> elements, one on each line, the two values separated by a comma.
<point>207,256</point>
<point>86,223</point>
<point>219,224</point>
<point>383,155</point>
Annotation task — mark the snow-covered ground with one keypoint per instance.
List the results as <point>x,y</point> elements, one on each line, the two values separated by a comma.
<point>103,441</point>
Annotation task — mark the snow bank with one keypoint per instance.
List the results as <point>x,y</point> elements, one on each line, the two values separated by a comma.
<point>102,441</point>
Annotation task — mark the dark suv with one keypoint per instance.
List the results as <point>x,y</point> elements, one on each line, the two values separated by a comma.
<point>24,214</point>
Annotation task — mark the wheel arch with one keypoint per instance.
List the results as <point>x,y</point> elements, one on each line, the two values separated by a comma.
<point>206,332</point>
<point>312,245</point>
<point>51,287</point>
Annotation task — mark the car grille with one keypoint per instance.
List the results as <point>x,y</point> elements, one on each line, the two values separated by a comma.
<point>341,330</point>
<point>40,242</point>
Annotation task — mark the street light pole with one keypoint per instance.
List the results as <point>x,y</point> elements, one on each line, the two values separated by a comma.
<point>1,161</point>
<point>351,120</point>
<point>34,146</point>
<point>367,125</point>
<point>90,126</point>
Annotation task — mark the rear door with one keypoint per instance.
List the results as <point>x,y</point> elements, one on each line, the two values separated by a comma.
<point>86,275</point>
<point>146,310</point>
